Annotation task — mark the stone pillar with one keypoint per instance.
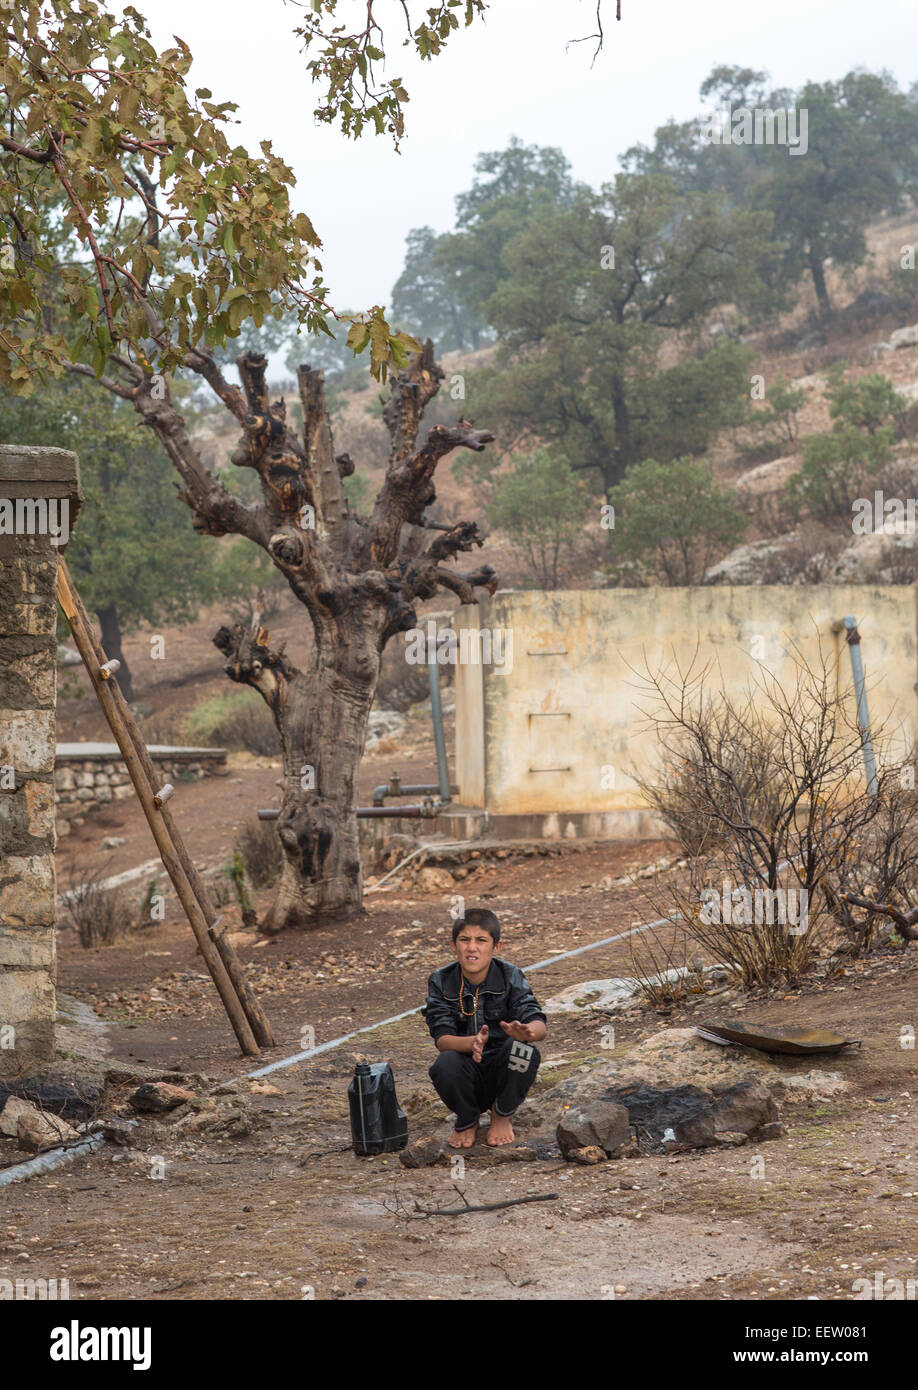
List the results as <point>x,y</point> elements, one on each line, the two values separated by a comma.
<point>39,498</point>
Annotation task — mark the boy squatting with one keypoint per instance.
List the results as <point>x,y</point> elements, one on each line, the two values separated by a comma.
<point>484,1019</point>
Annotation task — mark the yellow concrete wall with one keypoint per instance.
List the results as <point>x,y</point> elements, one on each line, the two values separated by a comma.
<point>536,737</point>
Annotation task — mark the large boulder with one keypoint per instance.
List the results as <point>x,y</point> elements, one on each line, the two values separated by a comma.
<point>673,1118</point>
<point>881,557</point>
<point>384,724</point>
<point>33,1129</point>
<point>744,1108</point>
<point>677,1057</point>
<point>759,562</point>
<point>55,1094</point>
<point>905,337</point>
<point>767,477</point>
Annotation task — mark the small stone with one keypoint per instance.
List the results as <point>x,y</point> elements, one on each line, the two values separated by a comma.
<point>774,1130</point>
<point>118,1131</point>
<point>589,1155</point>
<point>423,1153</point>
<point>435,880</point>
<point>731,1139</point>
<point>156,1097</point>
<point>113,841</point>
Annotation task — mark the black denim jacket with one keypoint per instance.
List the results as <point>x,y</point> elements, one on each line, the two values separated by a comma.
<point>503,994</point>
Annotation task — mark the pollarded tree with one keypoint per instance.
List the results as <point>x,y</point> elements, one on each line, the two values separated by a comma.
<point>125,202</point>
<point>358,577</point>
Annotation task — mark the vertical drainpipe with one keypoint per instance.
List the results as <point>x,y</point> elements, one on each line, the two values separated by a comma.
<point>433,671</point>
<point>853,638</point>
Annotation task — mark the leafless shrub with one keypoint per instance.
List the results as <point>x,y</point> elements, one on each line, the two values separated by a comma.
<point>809,559</point>
<point>655,955</point>
<point>880,874</point>
<point>221,890</point>
<point>766,793</point>
<point>261,853</point>
<point>234,720</point>
<point>100,915</point>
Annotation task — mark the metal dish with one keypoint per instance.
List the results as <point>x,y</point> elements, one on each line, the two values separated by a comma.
<point>795,1042</point>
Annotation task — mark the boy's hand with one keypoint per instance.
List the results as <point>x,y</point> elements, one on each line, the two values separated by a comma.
<point>478,1043</point>
<point>521,1032</point>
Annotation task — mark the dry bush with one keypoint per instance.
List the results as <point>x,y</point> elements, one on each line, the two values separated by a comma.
<point>766,793</point>
<point>235,720</point>
<point>261,853</point>
<point>654,955</point>
<point>879,875</point>
<point>100,915</point>
<point>252,726</point>
<point>769,513</point>
<point>810,558</point>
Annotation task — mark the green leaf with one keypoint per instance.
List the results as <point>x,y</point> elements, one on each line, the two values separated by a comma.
<point>358,337</point>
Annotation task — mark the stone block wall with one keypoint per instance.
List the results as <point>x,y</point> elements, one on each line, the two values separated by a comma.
<point>30,478</point>
<point>85,782</point>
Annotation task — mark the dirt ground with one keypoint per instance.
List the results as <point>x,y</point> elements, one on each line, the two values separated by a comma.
<point>287,1211</point>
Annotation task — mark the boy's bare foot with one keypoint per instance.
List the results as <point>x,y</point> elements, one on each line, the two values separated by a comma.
<point>501,1131</point>
<point>462,1138</point>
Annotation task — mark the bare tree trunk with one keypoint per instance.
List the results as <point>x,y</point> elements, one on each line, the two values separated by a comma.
<point>111,642</point>
<point>321,716</point>
<point>818,273</point>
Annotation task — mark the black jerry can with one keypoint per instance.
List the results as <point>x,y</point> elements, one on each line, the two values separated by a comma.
<point>378,1123</point>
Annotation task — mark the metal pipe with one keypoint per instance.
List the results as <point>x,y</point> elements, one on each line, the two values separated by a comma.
<point>853,638</point>
<point>397,788</point>
<point>426,810</point>
<point>436,710</point>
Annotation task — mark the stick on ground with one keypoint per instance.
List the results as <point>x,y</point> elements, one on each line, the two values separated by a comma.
<point>490,1206</point>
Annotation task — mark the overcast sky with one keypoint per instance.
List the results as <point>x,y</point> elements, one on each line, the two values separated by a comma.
<point>511,75</point>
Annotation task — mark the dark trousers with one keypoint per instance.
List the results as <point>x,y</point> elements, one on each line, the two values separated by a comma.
<point>499,1081</point>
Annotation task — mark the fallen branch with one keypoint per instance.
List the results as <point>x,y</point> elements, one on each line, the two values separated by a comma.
<point>490,1206</point>
<point>521,1284</point>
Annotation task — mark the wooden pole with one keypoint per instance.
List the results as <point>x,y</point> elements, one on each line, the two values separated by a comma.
<point>249,999</point>
<point>142,774</point>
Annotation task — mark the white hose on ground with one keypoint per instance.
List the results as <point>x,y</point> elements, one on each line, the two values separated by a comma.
<point>47,1162</point>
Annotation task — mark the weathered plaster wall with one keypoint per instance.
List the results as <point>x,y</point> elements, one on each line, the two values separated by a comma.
<point>561,729</point>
